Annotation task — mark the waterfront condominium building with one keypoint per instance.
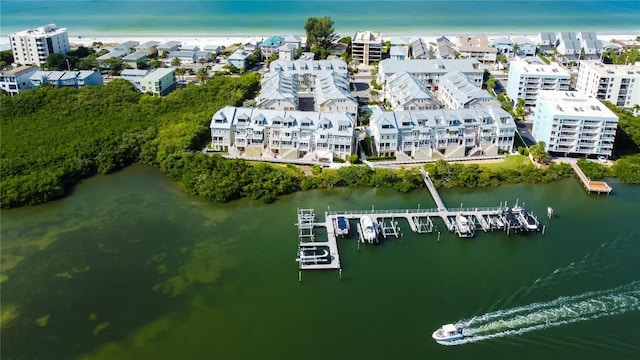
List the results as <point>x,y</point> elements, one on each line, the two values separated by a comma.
<point>33,46</point>
<point>441,134</point>
<point>570,122</point>
<point>527,79</point>
<point>366,47</point>
<point>619,84</point>
<point>287,135</point>
<point>428,72</point>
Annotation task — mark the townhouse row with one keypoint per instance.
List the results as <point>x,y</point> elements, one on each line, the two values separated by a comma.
<point>307,135</point>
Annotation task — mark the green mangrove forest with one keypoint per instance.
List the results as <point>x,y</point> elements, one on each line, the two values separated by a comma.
<point>52,138</point>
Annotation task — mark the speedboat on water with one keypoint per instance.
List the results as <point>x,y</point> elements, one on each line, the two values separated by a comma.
<point>448,333</point>
<point>369,229</point>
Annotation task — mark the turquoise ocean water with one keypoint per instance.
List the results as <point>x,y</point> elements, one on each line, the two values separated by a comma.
<point>246,17</point>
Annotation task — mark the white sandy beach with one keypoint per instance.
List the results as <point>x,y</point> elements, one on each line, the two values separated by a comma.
<point>228,41</point>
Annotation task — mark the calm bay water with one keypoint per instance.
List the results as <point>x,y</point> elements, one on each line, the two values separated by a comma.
<point>129,267</point>
<point>251,17</point>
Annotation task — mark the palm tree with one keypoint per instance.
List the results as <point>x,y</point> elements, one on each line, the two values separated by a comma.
<point>203,74</point>
<point>175,62</point>
<point>180,72</point>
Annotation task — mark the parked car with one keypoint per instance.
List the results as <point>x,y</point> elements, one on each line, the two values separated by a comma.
<point>602,159</point>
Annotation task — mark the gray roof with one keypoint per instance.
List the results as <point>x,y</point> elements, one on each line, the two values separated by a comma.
<point>417,66</point>
<point>113,54</point>
<point>136,56</point>
<point>239,55</point>
<point>404,88</point>
<point>419,49</point>
<point>159,73</point>
<point>399,50</point>
<point>169,45</point>
<point>462,88</point>
<point>148,44</point>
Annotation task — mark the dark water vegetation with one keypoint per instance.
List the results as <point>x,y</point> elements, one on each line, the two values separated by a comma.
<point>52,138</point>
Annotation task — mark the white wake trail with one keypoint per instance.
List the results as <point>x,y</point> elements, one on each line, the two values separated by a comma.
<point>542,315</point>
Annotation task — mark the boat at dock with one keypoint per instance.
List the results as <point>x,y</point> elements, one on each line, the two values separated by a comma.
<point>448,333</point>
<point>529,222</point>
<point>465,228</point>
<point>312,255</point>
<point>342,226</point>
<point>369,229</point>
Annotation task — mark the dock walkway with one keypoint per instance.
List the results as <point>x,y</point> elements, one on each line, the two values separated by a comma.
<point>591,186</point>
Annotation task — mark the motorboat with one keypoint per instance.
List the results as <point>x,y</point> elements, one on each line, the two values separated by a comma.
<point>342,226</point>
<point>369,229</point>
<point>498,222</point>
<point>448,333</point>
<point>465,228</point>
<point>529,222</point>
<point>312,255</point>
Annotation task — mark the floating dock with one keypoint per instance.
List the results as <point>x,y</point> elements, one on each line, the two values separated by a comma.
<point>591,186</point>
<point>501,218</point>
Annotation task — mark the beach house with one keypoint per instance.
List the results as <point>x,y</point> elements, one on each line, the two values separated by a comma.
<point>159,81</point>
<point>476,47</point>
<point>14,81</point>
<point>570,122</point>
<point>419,50</point>
<point>150,47</point>
<point>524,46</point>
<point>136,59</point>
<point>618,84</point>
<point>239,59</point>
<point>66,78</point>
<point>270,46</point>
<point>444,48</point>
<point>503,45</point>
<point>33,46</point>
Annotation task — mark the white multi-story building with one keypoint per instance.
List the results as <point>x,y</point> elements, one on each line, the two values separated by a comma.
<point>327,80</point>
<point>458,91</point>
<point>527,79</point>
<point>619,84</point>
<point>366,47</point>
<point>332,94</point>
<point>404,92</point>
<point>570,122</point>
<point>33,46</point>
<point>428,72</point>
<point>278,91</point>
<point>289,135</point>
<point>16,80</point>
<point>438,134</point>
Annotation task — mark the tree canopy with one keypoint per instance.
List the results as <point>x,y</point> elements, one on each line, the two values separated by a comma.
<point>320,35</point>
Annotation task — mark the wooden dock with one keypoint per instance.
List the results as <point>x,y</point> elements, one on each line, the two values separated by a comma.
<point>591,186</point>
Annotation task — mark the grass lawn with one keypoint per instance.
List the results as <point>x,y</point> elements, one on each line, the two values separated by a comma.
<point>515,162</point>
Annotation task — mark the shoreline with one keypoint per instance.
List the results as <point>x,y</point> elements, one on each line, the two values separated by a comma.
<point>235,39</point>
